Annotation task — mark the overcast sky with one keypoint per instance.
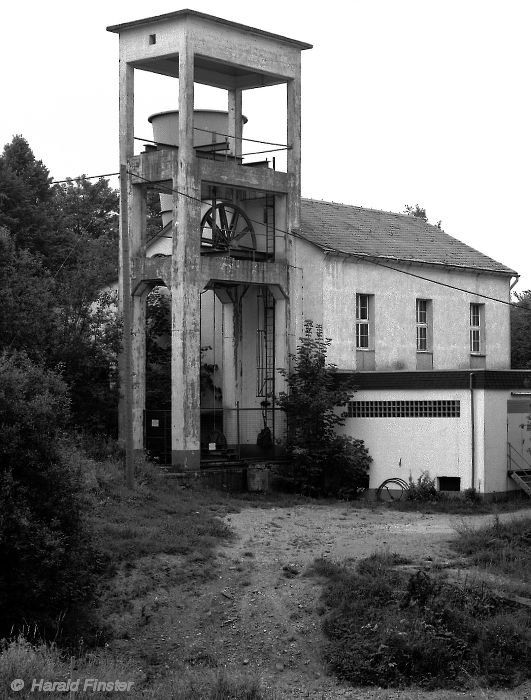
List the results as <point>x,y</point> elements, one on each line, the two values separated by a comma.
<point>403,101</point>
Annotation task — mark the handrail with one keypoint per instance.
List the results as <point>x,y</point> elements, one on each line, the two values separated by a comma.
<point>525,465</point>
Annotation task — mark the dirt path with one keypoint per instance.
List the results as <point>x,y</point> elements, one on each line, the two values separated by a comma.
<point>258,613</point>
<point>270,622</point>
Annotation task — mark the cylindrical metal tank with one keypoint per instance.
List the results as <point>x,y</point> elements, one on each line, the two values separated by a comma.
<point>166,130</point>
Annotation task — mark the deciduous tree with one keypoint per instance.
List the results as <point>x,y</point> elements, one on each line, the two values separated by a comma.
<point>324,461</point>
<point>521,331</point>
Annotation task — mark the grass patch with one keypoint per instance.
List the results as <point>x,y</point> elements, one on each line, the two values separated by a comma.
<point>157,517</point>
<point>455,506</point>
<point>157,541</point>
<point>19,659</point>
<point>503,548</point>
<point>155,536</point>
<point>389,628</point>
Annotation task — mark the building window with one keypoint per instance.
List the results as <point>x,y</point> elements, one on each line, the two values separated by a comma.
<point>362,321</point>
<point>423,323</point>
<point>477,334</point>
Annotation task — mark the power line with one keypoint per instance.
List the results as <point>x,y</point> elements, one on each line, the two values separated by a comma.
<point>269,150</point>
<point>157,143</point>
<point>241,138</point>
<point>82,177</point>
<point>83,235</point>
<point>359,256</point>
<point>282,147</point>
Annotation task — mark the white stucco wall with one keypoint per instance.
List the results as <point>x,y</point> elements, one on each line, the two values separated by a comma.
<point>405,447</point>
<point>328,296</point>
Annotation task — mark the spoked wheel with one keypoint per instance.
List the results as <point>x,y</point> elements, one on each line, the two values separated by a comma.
<point>227,228</point>
<point>392,490</point>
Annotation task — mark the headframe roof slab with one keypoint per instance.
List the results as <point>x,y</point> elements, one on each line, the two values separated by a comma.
<point>237,57</point>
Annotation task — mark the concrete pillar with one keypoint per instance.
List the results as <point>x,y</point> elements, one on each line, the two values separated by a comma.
<point>294,153</point>
<point>136,198</point>
<point>235,122</point>
<point>293,213</point>
<point>229,382</point>
<point>185,287</point>
<point>126,130</point>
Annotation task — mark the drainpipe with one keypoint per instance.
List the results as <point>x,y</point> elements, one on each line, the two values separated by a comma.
<point>472,425</point>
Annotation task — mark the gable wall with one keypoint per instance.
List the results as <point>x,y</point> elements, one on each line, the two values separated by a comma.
<point>328,296</point>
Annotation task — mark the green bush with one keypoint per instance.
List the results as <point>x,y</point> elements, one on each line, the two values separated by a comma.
<point>388,628</point>
<point>338,468</point>
<point>323,463</point>
<point>47,560</point>
<point>424,490</point>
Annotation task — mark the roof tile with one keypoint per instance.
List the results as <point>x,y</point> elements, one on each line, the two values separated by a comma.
<point>380,234</point>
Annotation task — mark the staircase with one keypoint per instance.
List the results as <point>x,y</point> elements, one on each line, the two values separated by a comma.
<point>519,469</point>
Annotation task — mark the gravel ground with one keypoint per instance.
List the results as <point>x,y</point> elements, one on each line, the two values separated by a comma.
<point>268,622</point>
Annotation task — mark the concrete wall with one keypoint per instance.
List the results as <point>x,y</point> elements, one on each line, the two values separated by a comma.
<point>328,296</point>
<point>405,447</point>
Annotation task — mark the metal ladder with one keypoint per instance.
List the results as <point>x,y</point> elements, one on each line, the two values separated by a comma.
<point>269,220</point>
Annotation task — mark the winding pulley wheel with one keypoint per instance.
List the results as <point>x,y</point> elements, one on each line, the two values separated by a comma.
<point>225,226</point>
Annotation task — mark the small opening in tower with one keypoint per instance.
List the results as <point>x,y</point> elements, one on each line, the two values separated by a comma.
<point>152,38</point>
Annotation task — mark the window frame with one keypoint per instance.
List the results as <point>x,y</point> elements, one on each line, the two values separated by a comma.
<point>363,320</point>
<point>476,334</point>
<point>422,325</point>
<point>426,324</point>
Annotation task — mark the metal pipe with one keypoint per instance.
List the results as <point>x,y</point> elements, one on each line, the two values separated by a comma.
<point>472,429</point>
<point>238,428</point>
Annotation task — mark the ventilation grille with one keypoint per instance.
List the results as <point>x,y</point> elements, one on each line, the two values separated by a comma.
<point>404,409</point>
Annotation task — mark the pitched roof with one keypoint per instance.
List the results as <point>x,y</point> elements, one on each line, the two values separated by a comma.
<point>380,234</point>
<point>178,14</point>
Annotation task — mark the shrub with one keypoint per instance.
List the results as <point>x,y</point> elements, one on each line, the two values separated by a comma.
<point>424,490</point>
<point>388,628</point>
<point>472,496</point>
<point>322,462</point>
<point>47,560</point>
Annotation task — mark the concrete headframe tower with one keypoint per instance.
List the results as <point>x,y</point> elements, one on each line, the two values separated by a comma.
<point>200,48</point>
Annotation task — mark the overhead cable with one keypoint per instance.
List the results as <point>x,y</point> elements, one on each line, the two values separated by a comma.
<point>360,256</point>
<point>82,177</point>
<point>281,146</point>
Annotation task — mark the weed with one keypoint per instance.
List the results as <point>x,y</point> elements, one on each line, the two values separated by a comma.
<point>453,506</point>
<point>326,568</point>
<point>471,495</point>
<point>499,547</point>
<point>385,627</point>
<point>20,659</point>
<point>423,490</point>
